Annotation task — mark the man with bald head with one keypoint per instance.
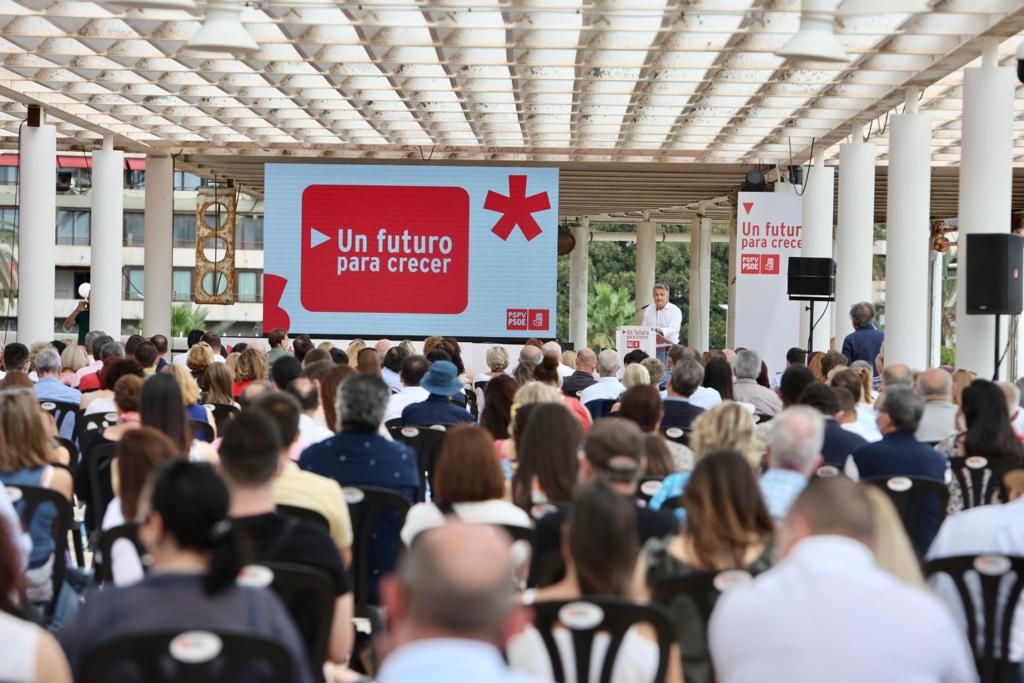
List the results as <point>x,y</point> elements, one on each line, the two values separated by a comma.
<point>896,374</point>
<point>452,607</point>
<point>586,364</point>
<point>939,419</point>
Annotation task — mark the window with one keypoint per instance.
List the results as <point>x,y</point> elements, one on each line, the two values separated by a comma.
<point>249,286</point>
<point>183,180</point>
<point>184,230</point>
<point>73,227</point>
<point>135,180</point>
<point>8,218</point>
<point>8,175</point>
<point>182,284</point>
<point>133,284</point>
<point>222,284</point>
<point>134,228</point>
<point>249,232</point>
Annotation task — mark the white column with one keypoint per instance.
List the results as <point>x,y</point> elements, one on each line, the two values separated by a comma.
<point>646,255</point>
<point>986,175</point>
<point>856,228</point>
<point>36,233</point>
<point>908,218</point>
<point>699,324</point>
<point>936,272</point>
<point>107,229</point>
<point>579,267</point>
<point>157,271</point>
<point>818,207</point>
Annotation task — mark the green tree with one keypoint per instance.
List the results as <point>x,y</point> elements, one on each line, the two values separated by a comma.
<point>609,309</point>
<point>185,318</point>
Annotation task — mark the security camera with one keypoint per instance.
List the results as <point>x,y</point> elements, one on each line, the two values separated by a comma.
<point>1020,62</point>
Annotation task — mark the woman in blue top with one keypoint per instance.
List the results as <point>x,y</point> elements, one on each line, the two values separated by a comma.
<point>26,459</point>
<point>727,425</point>
<point>196,557</point>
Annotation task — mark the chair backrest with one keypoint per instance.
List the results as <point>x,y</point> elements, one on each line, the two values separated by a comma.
<point>677,435</point>
<point>91,425</point>
<point>62,411</point>
<point>426,440</point>
<point>980,482</point>
<point>173,656</point>
<point>127,532</point>
<point>702,588</point>
<point>393,424</point>
<point>600,407</point>
<point>305,514</point>
<point>921,504</point>
<point>98,462</point>
<point>307,593</point>
<point>471,403</point>
<point>647,488</point>
<point>72,449</point>
<point>994,593</point>
<point>367,504</point>
<point>28,500</point>
<point>588,616</point>
<point>223,414</point>
<point>201,430</point>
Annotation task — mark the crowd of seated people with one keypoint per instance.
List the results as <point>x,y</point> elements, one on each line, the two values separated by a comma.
<point>388,510</point>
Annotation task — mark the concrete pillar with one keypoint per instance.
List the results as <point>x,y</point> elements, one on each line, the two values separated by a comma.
<point>646,257</point>
<point>855,231</point>
<point>907,236</point>
<point>158,244</point>
<point>986,175</point>
<point>36,233</point>
<point>107,229</point>
<point>699,324</point>
<point>579,277</point>
<point>818,207</point>
<point>936,272</point>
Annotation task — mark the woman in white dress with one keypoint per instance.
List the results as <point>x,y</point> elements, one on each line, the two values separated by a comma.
<point>598,564</point>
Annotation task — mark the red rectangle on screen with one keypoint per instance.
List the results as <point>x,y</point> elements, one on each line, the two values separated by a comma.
<point>770,264</point>
<point>750,264</point>
<point>516,319</point>
<point>537,319</point>
<point>385,249</point>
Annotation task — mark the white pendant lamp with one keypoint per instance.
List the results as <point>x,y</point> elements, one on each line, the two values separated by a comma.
<point>855,8</point>
<point>816,39</point>
<point>222,30</point>
<point>186,5</point>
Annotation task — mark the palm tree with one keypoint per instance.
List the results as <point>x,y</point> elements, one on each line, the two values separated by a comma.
<point>609,309</point>
<point>185,318</point>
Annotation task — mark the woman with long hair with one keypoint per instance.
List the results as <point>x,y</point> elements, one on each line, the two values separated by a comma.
<point>727,527</point>
<point>547,373</point>
<point>329,393</point>
<point>196,554</point>
<point>468,485</point>
<point>497,413</point>
<point>27,458</point>
<point>31,653</point>
<point>161,406</point>
<point>137,456</point>
<point>353,350</point>
<point>251,367</point>
<point>190,392</point>
<point>984,420</point>
<point>368,361</point>
<point>858,382</point>
<point>718,376</point>
<point>601,565</point>
<point>642,404</point>
<point>727,426</point>
<point>219,381</point>
<point>961,380</point>
<point>547,456</point>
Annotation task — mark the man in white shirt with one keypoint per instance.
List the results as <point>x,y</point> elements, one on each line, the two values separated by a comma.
<point>702,397</point>
<point>307,393</point>
<point>939,419</point>
<point>663,316</point>
<point>413,370</point>
<point>828,612</point>
<point>608,385</point>
<point>556,348</point>
<point>983,530</point>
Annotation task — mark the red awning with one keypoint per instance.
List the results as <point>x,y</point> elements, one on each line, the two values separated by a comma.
<point>8,159</point>
<point>74,162</point>
<point>136,164</point>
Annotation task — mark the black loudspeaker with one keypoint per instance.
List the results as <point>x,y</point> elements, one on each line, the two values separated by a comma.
<point>35,116</point>
<point>811,278</point>
<point>994,262</point>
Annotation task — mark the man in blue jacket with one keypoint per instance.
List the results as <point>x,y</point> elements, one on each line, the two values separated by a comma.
<point>865,342</point>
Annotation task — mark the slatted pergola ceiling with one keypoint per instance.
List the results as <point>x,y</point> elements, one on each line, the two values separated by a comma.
<point>634,82</point>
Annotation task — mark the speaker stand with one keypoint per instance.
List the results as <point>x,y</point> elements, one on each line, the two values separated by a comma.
<point>810,335</point>
<point>995,366</point>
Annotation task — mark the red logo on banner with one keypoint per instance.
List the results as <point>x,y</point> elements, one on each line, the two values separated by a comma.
<point>518,209</point>
<point>769,264</point>
<point>747,206</point>
<point>632,343</point>
<point>750,264</point>
<point>517,319</point>
<point>538,319</point>
<point>385,249</point>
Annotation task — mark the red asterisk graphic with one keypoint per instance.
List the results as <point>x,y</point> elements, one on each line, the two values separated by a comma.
<point>516,209</point>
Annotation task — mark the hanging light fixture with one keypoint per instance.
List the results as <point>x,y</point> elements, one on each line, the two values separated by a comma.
<point>223,31</point>
<point>186,5</point>
<point>816,39</point>
<point>854,8</point>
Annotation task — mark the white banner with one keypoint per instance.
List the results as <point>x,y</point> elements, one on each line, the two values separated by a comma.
<point>768,232</point>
